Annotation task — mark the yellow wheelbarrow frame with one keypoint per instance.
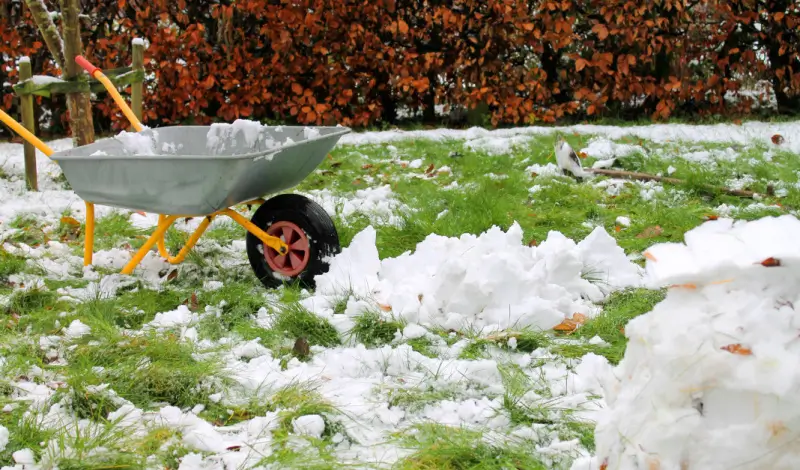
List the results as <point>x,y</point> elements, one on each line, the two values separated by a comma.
<point>164,221</point>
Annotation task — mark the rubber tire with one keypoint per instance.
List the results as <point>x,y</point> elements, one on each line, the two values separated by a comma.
<point>312,219</point>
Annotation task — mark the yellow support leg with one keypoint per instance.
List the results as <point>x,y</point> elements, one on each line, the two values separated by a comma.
<point>273,242</point>
<point>88,241</point>
<point>162,249</point>
<point>157,235</point>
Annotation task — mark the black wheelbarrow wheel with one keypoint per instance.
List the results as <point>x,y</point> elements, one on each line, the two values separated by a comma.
<point>308,231</point>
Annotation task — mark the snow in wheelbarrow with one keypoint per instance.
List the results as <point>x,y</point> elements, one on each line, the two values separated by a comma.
<point>195,170</point>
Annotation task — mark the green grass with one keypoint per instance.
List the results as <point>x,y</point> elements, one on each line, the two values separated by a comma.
<point>146,370</point>
<point>618,309</point>
<point>449,448</point>
<point>372,330</point>
<point>155,368</point>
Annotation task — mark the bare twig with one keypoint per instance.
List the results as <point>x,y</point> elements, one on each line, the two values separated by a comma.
<point>662,179</point>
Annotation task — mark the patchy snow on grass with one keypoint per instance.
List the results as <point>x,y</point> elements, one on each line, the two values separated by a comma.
<point>718,357</point>
<point>378,204</point>
<point>603,148</point>
<point>501,140</point>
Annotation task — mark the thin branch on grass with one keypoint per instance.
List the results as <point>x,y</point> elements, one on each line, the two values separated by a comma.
<point>663,179</point>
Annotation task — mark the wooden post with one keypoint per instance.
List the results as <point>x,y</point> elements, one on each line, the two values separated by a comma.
<point>79,104</point>
<point>138,85</point>
<point>29,121</point>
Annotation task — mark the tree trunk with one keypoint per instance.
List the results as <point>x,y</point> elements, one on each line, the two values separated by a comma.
<point>79,104</point>
<point>48,29</point>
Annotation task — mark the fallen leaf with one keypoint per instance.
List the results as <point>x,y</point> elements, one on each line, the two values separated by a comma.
<point>430,169</point>
<point>357,181</point>
<point>710,217</point>
<point>582,154</point>
<point>385,308</point>
<point>649,256</point>
<point>580,318</point>
<point>604,465</point>
<point>172,275</point>
<point>777,428</point>
<point>771,262</point>
<point>650,232</point>
<point>568,325</point>
<point>777,139</point>
<point>193,304</point>
<point>684,286</point>
<point>141,213</point>
<point>366,166</point>
<point>738,122</point>
<point>533,242</point>
<point>70,221</point>
<point>420,297</point>
<point>301,348</point>
<point>737,349</point>
<point>617,229</point>
<point>233,448</point>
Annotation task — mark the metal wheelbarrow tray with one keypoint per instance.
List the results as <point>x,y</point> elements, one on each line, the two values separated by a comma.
<point>195,170</point>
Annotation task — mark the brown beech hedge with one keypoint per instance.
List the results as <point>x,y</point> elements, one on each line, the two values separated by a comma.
<point>363,63</point>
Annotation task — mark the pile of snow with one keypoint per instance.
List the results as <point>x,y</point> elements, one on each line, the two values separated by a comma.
<point>138,143</point>
<point>492,281</point>
<point>711,377</point>
<point>221,136</point>
<point>378,204</point>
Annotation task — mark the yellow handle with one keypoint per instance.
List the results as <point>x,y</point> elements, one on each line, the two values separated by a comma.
<point>25,134</point>
<point>112,90</point>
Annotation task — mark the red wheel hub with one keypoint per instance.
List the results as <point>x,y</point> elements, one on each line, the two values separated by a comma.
<point>296,259</point>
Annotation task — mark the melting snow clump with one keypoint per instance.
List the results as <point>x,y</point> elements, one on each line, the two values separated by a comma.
<point>3,438</point>
<point>711,377</point>
<point>309,425</point>
<point>77,329</point>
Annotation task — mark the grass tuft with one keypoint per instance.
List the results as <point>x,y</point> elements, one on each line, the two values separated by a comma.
<point>296,321</point>
<point>372,330</point>
<point>449,448</point>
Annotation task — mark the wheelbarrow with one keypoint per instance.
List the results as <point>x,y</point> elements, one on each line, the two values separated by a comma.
<point>203,171</point>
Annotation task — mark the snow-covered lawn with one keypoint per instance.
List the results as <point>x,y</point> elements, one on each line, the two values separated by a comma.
<point>477,317</point>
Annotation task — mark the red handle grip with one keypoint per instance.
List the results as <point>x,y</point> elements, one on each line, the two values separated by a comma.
<point>86,65</point>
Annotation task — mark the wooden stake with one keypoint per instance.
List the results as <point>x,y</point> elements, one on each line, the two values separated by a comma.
<point>137,86</point>
<point>29,121</point>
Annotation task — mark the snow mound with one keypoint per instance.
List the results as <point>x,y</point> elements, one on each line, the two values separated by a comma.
<point>711,376</point>
<point>492,281</point>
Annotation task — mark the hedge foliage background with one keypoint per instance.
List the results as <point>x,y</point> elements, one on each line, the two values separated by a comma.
<point>362,63</point>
